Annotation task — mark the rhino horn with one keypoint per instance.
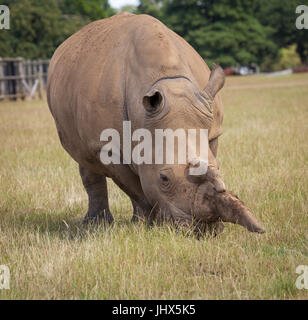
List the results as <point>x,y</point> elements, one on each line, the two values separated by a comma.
<point>231,209</point>
<point>215,83</point>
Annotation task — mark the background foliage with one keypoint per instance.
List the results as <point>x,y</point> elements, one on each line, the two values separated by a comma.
<point>237,32</point>
<point>39,26</point>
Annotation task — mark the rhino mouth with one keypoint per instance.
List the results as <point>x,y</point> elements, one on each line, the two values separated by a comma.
<point>178,214</point>
<point>198,227</point>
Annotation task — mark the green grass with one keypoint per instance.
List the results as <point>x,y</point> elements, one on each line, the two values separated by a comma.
<point>263,158</point>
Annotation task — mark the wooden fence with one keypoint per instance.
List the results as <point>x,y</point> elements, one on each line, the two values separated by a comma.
<point>21,78</point>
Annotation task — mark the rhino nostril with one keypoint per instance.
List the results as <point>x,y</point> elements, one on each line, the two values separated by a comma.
<point>220,190</point>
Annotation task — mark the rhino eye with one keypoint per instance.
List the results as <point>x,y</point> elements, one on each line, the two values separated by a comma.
<point>153,102</point>
<point>164,178</point>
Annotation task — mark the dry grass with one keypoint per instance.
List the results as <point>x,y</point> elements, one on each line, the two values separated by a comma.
<point>263,157</point>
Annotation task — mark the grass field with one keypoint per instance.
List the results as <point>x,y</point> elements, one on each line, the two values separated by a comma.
<point>264,159</point>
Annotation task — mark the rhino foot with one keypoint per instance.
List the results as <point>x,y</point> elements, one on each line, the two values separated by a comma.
<point>98,217</point>
<point>139,214</point>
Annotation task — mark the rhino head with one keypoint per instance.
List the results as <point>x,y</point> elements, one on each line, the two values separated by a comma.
<point>175,191</point>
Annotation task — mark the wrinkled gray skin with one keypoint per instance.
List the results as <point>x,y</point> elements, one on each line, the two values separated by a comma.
<point>131,67</point>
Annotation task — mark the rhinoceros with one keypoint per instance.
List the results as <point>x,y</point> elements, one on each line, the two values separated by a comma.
<point>133,68</point>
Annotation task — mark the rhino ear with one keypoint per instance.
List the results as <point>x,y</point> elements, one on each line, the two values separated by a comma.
<point>215,83</point>
<point>153,101</point>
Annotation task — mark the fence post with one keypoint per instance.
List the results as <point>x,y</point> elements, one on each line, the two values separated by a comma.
<point>40,79</point>
<point>21,74</point>
<point>2,82</point>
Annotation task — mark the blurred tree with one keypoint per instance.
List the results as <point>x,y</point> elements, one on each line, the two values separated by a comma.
<point>287,58</point>
<point>228,33</point>
<point>129,8</point>
<point>155,8</point>
<point>38,27</point>
<point>281,16</point>
<point>221,31</point>
<point>91,9</point>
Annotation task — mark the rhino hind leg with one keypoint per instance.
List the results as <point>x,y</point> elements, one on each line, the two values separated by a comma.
<point>96,187</point>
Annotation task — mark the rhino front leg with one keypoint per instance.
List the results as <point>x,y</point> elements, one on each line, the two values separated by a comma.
<point>96,187</point>
<point>138,213</point>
